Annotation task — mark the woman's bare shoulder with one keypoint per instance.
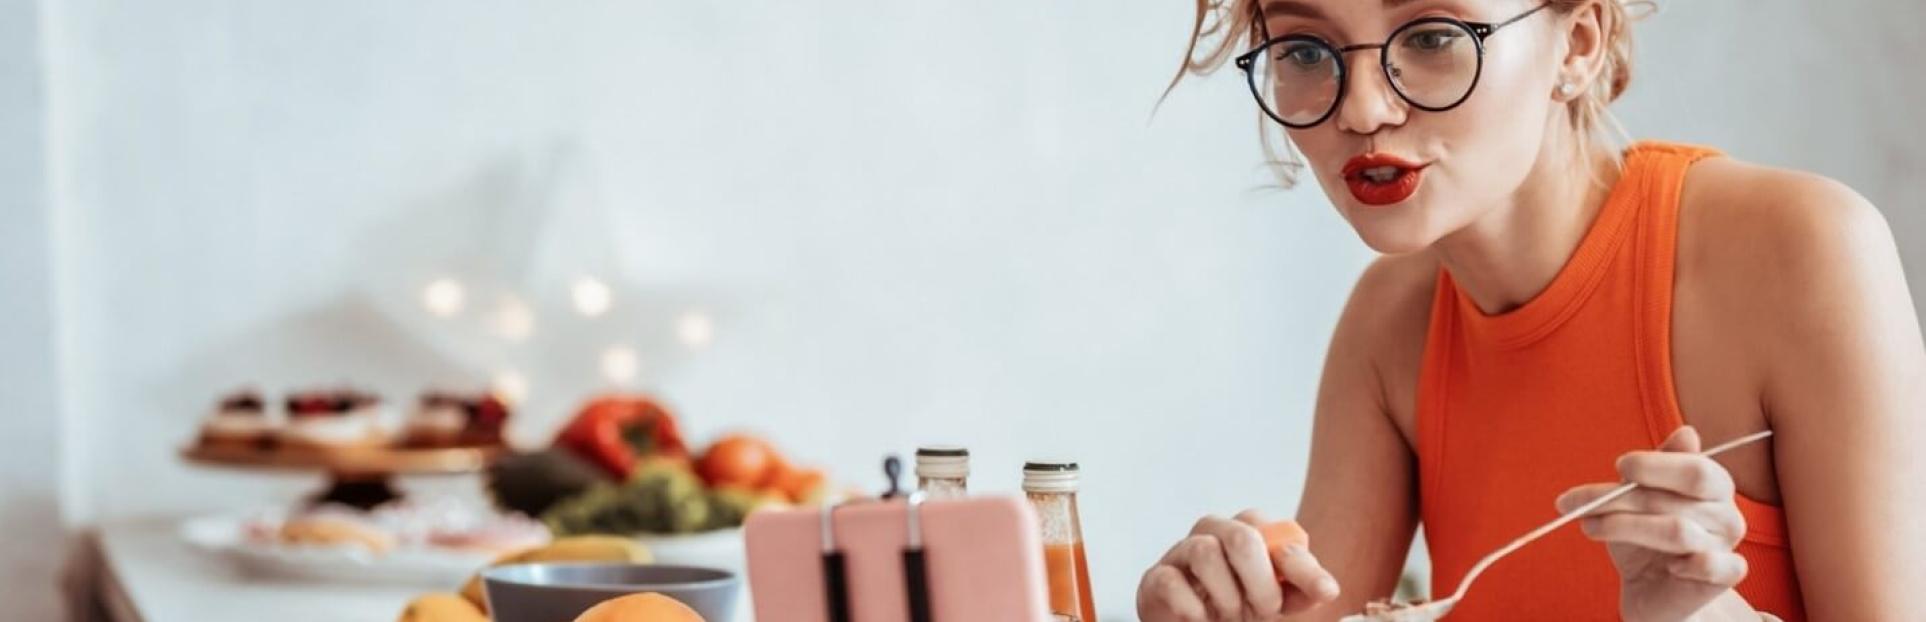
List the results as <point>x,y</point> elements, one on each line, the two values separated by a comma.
<point>1750,218</point>
<point>1787,259</point>
<point>1393,296</point>
<point>1385,321</point>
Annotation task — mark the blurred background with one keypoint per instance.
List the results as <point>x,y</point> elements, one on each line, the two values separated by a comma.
<point>852,230</point>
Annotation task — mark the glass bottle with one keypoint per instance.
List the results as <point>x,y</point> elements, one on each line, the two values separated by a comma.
<point>943,471</point>
<point>1052,488</point>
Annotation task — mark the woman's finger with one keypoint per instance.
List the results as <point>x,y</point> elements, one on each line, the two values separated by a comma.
<point>1685,439</point>
<point>1722,519</point>
<point>1311,585</point>
<point>1581,495</point>
<point>1249,557</point>
<point>1673,534</point>
<point>1691,475</point>
<point>1714,567</point>
<point>1203,558</point>
<point>1167,592</point>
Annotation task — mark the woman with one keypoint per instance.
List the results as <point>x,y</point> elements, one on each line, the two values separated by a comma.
<point>1552,311</point>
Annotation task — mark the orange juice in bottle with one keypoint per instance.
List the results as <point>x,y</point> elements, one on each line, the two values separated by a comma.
<point>1052,488</point>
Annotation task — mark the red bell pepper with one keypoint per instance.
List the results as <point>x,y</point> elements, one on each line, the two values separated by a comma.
<point>615,432</point>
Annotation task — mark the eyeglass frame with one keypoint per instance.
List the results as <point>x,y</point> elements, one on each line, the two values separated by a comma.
<point>1479,32</point>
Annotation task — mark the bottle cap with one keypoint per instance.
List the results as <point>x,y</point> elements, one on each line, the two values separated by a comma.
<point>1050,476</point>
<point>942,462</point>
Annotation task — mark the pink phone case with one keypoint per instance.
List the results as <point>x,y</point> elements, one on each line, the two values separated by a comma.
<point>984,559</point>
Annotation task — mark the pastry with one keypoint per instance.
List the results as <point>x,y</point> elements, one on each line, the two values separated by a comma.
<point>336,419</point>
<point>335,529</point>
<point>240,421</point>
<point>454,420</point>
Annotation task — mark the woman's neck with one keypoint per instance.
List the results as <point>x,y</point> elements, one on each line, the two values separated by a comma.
<point>1509,255</point>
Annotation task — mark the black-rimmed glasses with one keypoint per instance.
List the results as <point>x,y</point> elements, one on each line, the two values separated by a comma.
<point>1432,62</point>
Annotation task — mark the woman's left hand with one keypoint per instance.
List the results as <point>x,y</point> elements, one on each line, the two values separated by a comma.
<point>1673,538</point>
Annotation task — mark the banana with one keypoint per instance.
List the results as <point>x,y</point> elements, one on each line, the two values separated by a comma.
<point>597,548</point>
<point>442,607</point>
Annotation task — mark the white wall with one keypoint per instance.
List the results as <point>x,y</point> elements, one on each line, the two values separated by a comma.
<point>943,223</point>
<point>29,403</point>
<point>914,223</point>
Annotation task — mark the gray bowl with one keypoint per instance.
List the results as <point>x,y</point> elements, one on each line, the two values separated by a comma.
<point>558,592</point>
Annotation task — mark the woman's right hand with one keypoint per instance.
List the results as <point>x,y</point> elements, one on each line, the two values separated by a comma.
<point>1223,572</point>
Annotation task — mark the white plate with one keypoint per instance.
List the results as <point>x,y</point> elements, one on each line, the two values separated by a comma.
<point>225,536</point>
<point>722,549</point>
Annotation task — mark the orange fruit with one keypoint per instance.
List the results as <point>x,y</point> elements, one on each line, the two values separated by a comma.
<point>798,484</point>
<point>737,460</point>
<point>778,468</point>
<point>644,607</point>
<point>442,608</point>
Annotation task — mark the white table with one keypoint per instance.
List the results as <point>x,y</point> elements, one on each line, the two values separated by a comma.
<point>148,574</point>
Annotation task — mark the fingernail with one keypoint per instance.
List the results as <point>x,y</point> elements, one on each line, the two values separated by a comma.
<point>1296,549</point>
<point>1588,525</point>
<point>1327,586</point>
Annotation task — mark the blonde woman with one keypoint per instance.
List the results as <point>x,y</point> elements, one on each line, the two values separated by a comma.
<point>1554,314</point>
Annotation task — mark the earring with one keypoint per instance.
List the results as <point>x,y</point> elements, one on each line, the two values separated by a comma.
<point>1565,89</point>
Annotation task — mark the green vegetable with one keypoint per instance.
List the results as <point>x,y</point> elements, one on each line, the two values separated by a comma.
<point>531,483</point>
<point>658,498</point>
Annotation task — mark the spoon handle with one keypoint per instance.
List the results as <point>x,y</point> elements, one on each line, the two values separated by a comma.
<point>1580,511</point>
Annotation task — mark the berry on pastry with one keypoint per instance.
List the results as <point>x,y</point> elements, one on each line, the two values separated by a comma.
<point>333,419</point>
<point>239,421</point>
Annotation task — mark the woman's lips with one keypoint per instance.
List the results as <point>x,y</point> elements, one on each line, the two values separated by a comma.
<point>1382,179</point>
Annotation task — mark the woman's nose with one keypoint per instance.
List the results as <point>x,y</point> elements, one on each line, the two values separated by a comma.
<point>1369,101</point>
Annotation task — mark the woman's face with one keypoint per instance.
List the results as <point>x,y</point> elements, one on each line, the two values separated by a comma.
<point>1447,168</point>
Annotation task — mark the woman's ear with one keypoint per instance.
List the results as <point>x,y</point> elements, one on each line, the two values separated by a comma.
<point>1586,49</point>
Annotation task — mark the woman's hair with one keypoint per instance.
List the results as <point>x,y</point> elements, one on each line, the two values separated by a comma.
<point>1228,27</point>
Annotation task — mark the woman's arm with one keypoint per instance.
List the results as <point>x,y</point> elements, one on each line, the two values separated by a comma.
<point>1359,505</point>
<point>1846,393</point>
<point>1360,499</point>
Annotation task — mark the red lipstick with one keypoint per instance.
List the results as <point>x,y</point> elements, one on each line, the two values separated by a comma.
<point>1382,179</point>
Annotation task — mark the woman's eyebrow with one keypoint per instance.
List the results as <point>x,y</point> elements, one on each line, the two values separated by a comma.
<point>1302,9</point>
<point>1294,7</point>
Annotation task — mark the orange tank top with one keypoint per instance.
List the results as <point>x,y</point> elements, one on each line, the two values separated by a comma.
<point>1515,408</point>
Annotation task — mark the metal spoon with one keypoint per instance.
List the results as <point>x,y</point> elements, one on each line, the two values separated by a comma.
<point>1433,610</point>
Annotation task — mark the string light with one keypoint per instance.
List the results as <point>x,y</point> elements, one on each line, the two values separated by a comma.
<point>695,329</point>
<point>591,296</point>
<point>513,320</point>
<point>619,364</point>
<point>443,297</point>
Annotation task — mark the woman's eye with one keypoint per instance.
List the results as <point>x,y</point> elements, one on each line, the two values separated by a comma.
<point>1304,55</point>
<point>1433,40</point>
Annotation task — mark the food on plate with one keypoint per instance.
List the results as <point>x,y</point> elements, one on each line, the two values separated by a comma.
<point>435,524</point>
<point>533,482</point>
<point>442,607</point>
<point>570,549</point>
<point>622,467</point>
<point>240,421</point>
<point>443,419</point>
<point>1388,610</point>
<point>737,460</point>
<point>614,432</point>
<point>335,529</point>
<point>805,486</point>
<point>648,606</point>
<point>333,419</point>
<point>662,497</point>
